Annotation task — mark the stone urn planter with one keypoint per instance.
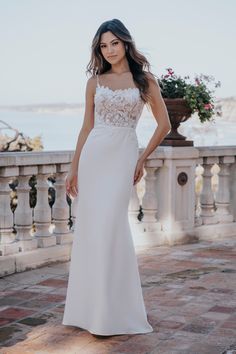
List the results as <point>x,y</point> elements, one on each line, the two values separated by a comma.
<point>179,112</point>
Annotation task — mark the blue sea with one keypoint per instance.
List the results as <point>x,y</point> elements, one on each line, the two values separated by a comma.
<point>59,131</point>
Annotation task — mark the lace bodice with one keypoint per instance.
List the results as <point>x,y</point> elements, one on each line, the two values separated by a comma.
<point>122,107</point>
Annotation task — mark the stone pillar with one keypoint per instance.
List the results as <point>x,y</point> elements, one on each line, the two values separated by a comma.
<point>232,187</point>
<point>23,212</point>
<point>60,209</point>
<point>208,214</point>
<point>42,210</point>
<point>150,224</point>
<point>176,193</point>
<point>198,220</point>
<point>149,201</point>
<point>8,242</point>
<point>134,205</point>
<point>74,205</point>
<point>222,198</point>
<point>135,224</point>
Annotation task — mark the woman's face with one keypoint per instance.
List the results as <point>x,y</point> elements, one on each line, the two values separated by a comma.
<point>112,48</point>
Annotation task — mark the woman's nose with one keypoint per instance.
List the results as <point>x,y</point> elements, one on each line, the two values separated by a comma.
<point>110,49</point>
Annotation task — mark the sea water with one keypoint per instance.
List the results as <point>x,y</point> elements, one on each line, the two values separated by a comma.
<point>59,131</point>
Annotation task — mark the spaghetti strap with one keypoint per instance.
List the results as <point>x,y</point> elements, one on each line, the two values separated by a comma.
<point>97,81</point>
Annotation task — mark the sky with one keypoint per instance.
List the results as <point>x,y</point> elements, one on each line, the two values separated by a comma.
<point>45,44</point>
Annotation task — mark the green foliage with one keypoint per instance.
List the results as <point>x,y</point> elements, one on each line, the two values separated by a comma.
<point>198,95</point>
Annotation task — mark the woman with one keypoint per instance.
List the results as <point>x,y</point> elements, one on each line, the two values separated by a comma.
<point>104,293</point>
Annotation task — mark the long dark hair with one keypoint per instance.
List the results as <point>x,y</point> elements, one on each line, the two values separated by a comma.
<point>137,61</point>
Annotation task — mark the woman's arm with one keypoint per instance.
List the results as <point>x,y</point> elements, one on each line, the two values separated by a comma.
<point>88,124</point>
<point>160,113</point>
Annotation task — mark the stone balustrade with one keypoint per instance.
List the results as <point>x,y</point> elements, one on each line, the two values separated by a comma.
<point>186,194</point>
<point>189,194</point>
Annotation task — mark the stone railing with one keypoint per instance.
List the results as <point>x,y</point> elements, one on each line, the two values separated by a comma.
<point>186,194</point>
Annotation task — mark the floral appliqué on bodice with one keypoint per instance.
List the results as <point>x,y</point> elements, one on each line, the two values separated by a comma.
<point>121,107</point>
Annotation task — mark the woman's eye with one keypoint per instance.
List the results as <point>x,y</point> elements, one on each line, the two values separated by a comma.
<point>104,46</point>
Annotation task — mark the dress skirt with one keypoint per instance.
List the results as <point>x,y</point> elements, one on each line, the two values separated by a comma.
<point>104,294</point>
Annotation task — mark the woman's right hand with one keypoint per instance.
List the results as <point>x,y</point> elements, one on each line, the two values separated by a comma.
<point>72,184</point>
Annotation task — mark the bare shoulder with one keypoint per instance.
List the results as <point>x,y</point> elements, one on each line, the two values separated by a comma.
<point>153,82</point>
<point>91,85</point>
<point>92,81</point>
<point>151,77</point>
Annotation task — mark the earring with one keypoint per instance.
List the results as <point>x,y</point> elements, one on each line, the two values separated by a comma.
<point>126,47</point>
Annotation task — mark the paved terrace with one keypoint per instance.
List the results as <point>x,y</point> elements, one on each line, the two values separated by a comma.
<point>189,292</point>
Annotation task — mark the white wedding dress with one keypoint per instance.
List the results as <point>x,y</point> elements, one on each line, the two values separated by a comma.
<point>104,294</point>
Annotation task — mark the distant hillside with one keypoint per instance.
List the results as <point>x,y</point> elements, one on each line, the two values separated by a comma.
<point>45,107</point>
<point>228,108</point>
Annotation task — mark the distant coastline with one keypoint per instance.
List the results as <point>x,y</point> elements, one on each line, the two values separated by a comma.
<point>227,104</point>
<point>45,108</point>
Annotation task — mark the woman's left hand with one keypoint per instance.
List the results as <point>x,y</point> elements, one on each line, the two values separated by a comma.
<point>139,171</point>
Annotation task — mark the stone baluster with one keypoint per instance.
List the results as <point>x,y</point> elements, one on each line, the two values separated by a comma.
<point>23,212</point>
<point>198,171</point>
<point>73,209</point>
<point>8,243</point>
<point>222,198</point>
<point>135,222</point>
<point>208,214</point>
<point>150,198</point>
<point>232,186</point>
<point>60,209</point>
<point>42,210</point>
<point>134,205</point>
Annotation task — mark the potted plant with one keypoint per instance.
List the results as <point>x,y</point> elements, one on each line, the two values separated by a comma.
<point>183,98</point>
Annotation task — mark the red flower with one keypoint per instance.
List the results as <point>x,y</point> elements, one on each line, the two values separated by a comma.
<point>208,106</point>
<point>170,71</point>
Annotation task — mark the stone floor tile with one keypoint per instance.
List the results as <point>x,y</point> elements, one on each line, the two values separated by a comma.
<point>197,328</point>
<point>216,315</point>
<point>232,317</point>
<point>220,340</point>
<point>229,324</point>
<point>12,332</point>
<point>4,321</point>
<point>167,323</point>
<point>201,325</point>
<point>15,313</point>
<point>222,290</point>
<point>189,292</point>
<point>37,319</point>
<point>176,318</point>
<point>59,291</point>
<point>37,304</point>
<point>224,309</point>
<point>28,277</point>
<point>222,331</point>
<point>42,289</point>
<point>58,269</point>
<point>24,294</point>
<point>138,344</point>
<point>204,348</point>
<point>53,283</point>
<point>51,297</point>
<point>10,300</point>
